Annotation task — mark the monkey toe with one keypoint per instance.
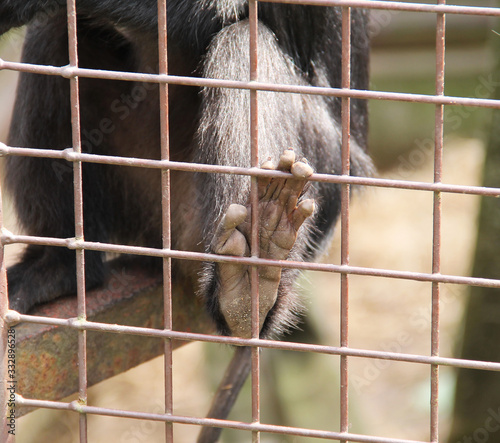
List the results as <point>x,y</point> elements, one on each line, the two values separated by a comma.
<point>282,210</point>
<point>287,159</point>
<point>228,240</point>
<point>281,214</point>
<point>303,211</point>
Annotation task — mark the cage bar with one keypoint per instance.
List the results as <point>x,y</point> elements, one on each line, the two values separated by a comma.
<point>437,218</point>
<point>254,200</point>
<point>84,323</point>
<point>78,198</point>
<point>344,218</point>
<point>166,216</point>
<point>259,86</point>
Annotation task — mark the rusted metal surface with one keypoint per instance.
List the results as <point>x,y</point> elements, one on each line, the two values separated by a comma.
<point>78,211</point>
<point>252,86</point>
<point>13,318</point>
<point>46,355</point>
<point>254,200</point>
<point>68,154</point>
<point>437,221</point>
<point>9,238</point>
<point>166,215</point>
<point>254,427</point>
<point>344,218</point>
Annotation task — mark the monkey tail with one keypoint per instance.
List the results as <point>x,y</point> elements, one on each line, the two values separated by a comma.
<point>229,388</point>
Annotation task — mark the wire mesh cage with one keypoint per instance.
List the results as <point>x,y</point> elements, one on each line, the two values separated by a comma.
<point>378,356</point>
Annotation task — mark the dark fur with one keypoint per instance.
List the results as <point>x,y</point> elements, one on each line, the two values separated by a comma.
<point>297,45</point>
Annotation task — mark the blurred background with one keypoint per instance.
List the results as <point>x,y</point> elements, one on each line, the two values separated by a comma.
<point>389,229</point>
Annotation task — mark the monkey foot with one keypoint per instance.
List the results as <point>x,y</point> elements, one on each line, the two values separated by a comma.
<point>281,214</point>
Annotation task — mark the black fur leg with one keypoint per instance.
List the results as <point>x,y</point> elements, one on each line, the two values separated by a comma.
<point>46,273</point>
<point>43,188</point>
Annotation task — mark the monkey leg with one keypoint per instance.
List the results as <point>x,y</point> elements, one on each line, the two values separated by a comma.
<point>46,273</point>
<point>281,214</point>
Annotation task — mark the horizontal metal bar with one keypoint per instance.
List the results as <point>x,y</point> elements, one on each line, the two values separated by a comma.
<point>70,155</point>
<point>72,243</point>
<point>130,296</point>
<point>249,85</point>
<point>398,6</point>
<point>79,324</point>
<point>253,427</point>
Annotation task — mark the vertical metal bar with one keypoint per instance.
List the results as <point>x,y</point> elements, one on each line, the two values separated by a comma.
<point>254,136</point>
<point>8,377</point>
<point>78,197</point>
<point>166,216</point>
<point>254,152</point>
<point>437,213</point>
<point>346,132</point>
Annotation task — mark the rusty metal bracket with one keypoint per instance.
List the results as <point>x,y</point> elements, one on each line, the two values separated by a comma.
<point>46,356</point>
